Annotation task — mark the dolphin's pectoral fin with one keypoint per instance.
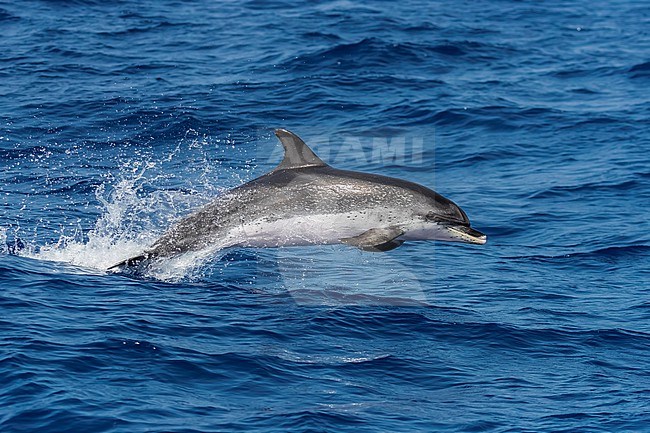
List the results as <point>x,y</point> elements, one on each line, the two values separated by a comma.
<point>296,153</point>
<point>376,240</point>
<point>390,245</point>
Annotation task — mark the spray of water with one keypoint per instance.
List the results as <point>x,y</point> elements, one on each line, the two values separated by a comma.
<point>134,211</point>
<point>127,224</point>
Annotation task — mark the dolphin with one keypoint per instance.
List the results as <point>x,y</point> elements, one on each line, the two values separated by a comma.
<point>304,201</point>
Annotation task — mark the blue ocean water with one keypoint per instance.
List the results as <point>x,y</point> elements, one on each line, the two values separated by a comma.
<point>118,118</point>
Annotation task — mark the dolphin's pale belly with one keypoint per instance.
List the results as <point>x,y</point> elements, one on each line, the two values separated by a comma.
<point>326,228</point>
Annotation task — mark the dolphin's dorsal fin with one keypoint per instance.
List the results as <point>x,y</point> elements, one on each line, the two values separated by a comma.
<point>296,153</point>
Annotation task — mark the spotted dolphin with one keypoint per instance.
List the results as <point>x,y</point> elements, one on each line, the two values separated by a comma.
<point>304,201</point>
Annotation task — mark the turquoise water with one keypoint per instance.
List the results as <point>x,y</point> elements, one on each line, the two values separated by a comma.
<point>118,119</point>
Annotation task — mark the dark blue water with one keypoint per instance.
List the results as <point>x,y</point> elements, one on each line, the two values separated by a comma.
<point>118,118</point>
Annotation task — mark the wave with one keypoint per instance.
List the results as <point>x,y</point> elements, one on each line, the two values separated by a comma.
<point>592,187</point>
<point>583,72</point>
<point>610,252</point>
<point>493,118</point>
<point>146,27</point>
<point>640,70</point>
<point>375,52</point>
<point>5,16</point>
<point>24,152</point>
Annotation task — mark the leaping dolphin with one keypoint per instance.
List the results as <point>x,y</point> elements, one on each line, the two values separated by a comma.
<point>304,201</point>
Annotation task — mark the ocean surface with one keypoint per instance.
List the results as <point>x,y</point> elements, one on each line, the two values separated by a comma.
<point>119,118</point>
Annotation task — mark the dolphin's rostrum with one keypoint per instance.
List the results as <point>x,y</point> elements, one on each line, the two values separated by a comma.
<point>304,201</point>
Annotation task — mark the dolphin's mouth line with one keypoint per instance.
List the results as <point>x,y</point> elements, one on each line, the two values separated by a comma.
<point>443,220</point>
<point>466,233</point>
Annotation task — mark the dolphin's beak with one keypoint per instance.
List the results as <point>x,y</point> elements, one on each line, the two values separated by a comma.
<point>467,234</point>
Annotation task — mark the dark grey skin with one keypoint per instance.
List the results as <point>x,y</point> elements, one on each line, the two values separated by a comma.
<point>304,201</point>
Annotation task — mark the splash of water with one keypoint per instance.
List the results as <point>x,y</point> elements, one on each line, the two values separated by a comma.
<point>137,205</point>
<point>132,217</point>
<point>115,234</point>
<point>4,248</point>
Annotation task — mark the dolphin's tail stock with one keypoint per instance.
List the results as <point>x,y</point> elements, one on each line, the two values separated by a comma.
<point>133,263</point>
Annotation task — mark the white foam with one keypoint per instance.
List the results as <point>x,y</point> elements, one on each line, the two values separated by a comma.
<point>129,222</point>
<point>136,205</point>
